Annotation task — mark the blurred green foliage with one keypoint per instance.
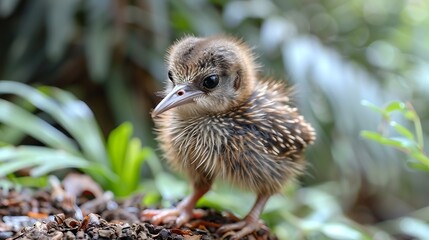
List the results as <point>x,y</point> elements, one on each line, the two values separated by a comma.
<point>410,143</point>
<point>336,53</point>
<point>80,145</point>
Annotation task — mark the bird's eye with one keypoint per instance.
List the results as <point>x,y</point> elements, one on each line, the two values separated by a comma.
<point>211,81</point>
<point>170,76</point>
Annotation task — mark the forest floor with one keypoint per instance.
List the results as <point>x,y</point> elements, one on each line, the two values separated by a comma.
<point>77,208</point>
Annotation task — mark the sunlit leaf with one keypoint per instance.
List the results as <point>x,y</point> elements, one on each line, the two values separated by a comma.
<point>126,156</point>
<point>405,143</point>
<point>67,111</point>
<point>394,106</point>
<point>372,106</point>
<point>410,115</point>
<point>16,158</point>
<point>372,135</point>
<point>418,166</point>
<point>44,160</point>
<point>34,126</point>
<point>402,130</point>
<point>421,157</point>
<point>131,164</point>
<point>395,142</point>
<point>87,132</point>
<point>117,144</point>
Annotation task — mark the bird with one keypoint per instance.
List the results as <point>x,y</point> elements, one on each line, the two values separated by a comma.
<point>220,120</point>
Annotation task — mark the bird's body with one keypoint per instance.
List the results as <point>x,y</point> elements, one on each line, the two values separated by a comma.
<point>223,121</point>
<point>256,145</point>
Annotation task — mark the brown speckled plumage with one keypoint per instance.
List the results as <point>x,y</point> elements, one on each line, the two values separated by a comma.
<point>257,145</point>
<point>243,131</point>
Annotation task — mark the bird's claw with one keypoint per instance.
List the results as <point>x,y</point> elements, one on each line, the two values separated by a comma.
<point>158,216</point>
<point>177,215</point>
<point>240,229</point>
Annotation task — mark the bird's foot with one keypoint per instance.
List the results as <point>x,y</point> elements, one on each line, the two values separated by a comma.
<point>241,229</point>
<point>178,215</point>
<point>181,214</point>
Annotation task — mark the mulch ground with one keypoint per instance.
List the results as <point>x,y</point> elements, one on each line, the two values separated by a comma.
<point>88,213</point>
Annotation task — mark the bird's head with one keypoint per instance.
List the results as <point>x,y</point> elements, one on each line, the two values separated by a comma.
<point>207,75</point>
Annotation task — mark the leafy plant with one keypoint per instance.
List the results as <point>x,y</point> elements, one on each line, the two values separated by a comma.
<point>116,167</point>
<point>126,156</point>
<point>408,141</point>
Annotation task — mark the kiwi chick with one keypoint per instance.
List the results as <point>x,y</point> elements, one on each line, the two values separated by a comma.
<point>220,120</point>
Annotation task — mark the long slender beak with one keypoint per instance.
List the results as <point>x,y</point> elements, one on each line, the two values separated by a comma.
<point>180,95</point>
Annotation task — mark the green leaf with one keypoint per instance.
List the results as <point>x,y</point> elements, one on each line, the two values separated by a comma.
<point>87,132</point>
<point>16,158</point>
<point>394,106</point>
<point>19,163</point>
<point>10,135</point>
<point>44,160</point>
<point>418,166</point>
<point>30,181</point>
<point>117,144</point>
<point>410,115</point>
<point>372,106</point>
<point>375,136</point>
<point>421,157</point>
<point>405,143</point>
<point>34,126</point>
<point>402,130</point>
<point>67,111</point>
<point>399,143</point>
<point>131,164</point>
<point>126,155</point>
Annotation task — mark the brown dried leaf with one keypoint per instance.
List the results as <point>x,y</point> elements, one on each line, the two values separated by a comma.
<point>181,231</point>
<point>37,215</point>
<point>75,184</point>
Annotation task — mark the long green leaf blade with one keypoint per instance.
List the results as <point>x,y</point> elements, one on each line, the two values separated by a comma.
<point>402,130</point>
<point>83,127</point>
<point>72,114</point>
<point>117,145</point>
<point>34,126</point>
<point>381,139</point>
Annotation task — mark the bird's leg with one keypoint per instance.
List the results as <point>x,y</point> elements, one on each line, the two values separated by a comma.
<point>250,223</point>
<point>182,213</point>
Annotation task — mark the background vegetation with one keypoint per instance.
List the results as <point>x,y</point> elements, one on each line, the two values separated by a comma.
<point>337,53</point>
